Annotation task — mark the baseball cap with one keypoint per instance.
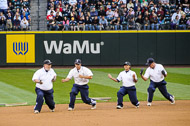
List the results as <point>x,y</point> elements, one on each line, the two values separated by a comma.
<point>149,61</point>
<point>127,63</point>
<point>47,61</point>
<point>77,61</point>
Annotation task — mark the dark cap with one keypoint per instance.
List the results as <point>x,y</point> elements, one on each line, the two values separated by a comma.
<point>77,61</point>
<point>127,63</point>
<point>149,61</point>
<point>47,61</point>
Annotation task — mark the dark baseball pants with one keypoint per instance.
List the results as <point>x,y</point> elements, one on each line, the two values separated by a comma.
<point>41,95</point>
<point>84,94</point>
<point>162,88</point>
<point>131,91</point>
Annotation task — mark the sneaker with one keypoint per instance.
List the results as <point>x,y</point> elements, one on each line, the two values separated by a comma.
<point>172,99</point>
<point>119,107</point>
<point>70,109</point>
<point>52,110</point>
<point>36,112</point>
<point>93,104</point>
<point>149,104</point>
<point>137,105</point>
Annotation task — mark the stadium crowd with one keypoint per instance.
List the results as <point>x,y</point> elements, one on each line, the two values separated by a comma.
<point>118,15</point>
<point>14,15</point>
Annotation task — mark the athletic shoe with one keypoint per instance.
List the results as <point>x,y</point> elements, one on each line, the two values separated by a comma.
<point>36,112</point>
<point>172,99</point>
<point>70,109</point>
<point>119,107</point>
<point>149,104</point>
<point>52,110</point>
<point>93,104</point>
<point>137,105</point>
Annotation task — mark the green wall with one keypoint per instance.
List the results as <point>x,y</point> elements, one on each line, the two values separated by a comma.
<point>167,47</point>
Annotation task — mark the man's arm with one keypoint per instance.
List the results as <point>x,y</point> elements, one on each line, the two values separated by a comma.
<point>114,79</point>
<point>65,80</point>
<point>86,77</point>
<point>142,76</point>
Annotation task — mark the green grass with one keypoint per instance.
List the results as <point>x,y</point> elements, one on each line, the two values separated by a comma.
<point>16,85</point>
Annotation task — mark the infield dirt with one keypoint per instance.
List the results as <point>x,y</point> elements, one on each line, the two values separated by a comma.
<point>161,113</point>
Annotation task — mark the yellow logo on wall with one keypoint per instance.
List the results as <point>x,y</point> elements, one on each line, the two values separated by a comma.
<point>20,48</point>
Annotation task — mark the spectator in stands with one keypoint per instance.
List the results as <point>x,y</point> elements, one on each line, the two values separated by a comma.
<point>139,22</point>
<point>137,4</point>
<point>131,24</point>
<point>2,24</point>
<point>73,24</point>
<point>101,12</point>
<point>9,24</point>
<point>103,23</point>
<point>110,14</point>
<point>161,22</point>
<point>115,14</point>
<point>164,2</point>
<point>95,23</point>
<point>117,24</point>
<point>175,22</point>
<point>10,6</point>
<point>24,24</point>
<point>65,24</point>
<point>154,22</point>
<point>81,24</point>
<point>53,25</point>
<point>72,2</point>
<point>160,12</point>
<point>88,23</point>
<point>182,22</point>
<point>144,3</point>
<point>138,12</point>
<point>59,8</point>
<point>50,11</point>
<point>2,16</point>
<point>130,4</point>
<point>176,14</point>
<point>146,23</point>
<point>3,6</point>
<point>188,23</point>
<point>16,23</point>
<point>94,12</point>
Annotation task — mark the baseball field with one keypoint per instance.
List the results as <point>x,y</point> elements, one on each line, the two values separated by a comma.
<point>16,86</point>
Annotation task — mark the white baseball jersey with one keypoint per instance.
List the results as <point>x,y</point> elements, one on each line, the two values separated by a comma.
<point>127,78</point>
<point>45,77</point>
<point>74,73</point>
<point>155,74</point>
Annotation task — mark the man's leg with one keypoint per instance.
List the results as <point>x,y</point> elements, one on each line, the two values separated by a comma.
<point>73,94</point>
<point>48,95</point>
<point>39,99</point>
<point>165,93</point>
<point>151,89</point>
<point>133,96</point>
<point>122,92</point>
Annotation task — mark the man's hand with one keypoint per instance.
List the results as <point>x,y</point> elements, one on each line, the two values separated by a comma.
<point>63,80</point>
<point>40,82</point>
<point>110,76</point>
<point>141,72</point>
<point>163,72</point>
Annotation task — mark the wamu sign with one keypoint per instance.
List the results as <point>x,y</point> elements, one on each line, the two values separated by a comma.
<point>66,48</point>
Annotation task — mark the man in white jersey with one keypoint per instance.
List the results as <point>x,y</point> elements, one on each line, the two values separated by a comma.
<point>81,77</point>
<point>44,79</point>
<point>128,78</point>
<point>156,72</point>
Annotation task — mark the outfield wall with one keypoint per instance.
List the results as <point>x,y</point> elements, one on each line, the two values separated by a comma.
<point>94,48</point>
